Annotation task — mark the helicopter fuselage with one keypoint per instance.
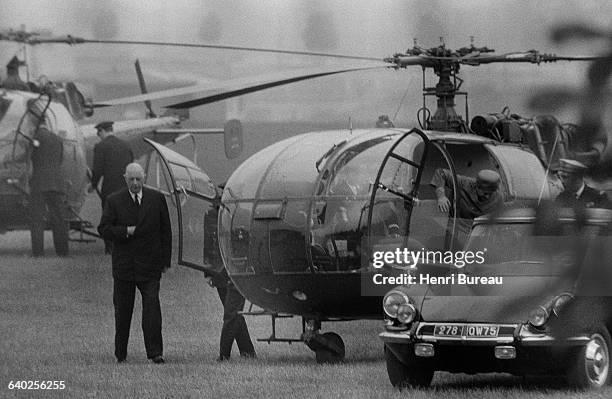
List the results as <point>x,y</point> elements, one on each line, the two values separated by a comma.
<point>15,165</point>
<point>299,220</point>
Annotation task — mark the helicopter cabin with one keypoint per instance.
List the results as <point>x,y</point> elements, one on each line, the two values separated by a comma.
<point>17,126</point>
<point>312,203</point>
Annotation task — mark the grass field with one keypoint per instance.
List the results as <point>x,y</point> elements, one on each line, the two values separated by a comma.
<point>56,323</point>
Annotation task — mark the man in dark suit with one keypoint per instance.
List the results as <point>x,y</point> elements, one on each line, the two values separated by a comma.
<point>576,193</point>
<point>47,192</point>
<point>234,326</point>
<point>111,156</point>
<point>137,222</point>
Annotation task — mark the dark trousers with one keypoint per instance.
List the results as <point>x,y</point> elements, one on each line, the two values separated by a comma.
<point>53,202</point>
<point>234,325</point>
<point>108,244</point>
<point>123,299</point>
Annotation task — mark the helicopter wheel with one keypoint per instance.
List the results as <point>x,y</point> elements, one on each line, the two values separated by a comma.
<point>334,350</point>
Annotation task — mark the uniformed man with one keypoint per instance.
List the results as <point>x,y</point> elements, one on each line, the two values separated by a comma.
<point>47,192</point>
<point>576,192</point>
<point>475,197</point>
<point>13,81</point>
<point>111,156</point>
<point>234,325</point>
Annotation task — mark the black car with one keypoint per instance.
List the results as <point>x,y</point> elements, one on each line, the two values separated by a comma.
<point>539,303</point>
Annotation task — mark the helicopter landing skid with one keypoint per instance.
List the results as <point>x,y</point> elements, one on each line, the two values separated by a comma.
<point>82,228</point>
<point>328,347</point>
<point>274,316</point>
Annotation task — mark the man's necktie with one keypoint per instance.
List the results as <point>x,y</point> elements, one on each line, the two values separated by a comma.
<point>136,200</point>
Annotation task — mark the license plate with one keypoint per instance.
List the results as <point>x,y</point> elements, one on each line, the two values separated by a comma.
<point>466,330</point>
<point>448,330</point>
<point>481,330</point>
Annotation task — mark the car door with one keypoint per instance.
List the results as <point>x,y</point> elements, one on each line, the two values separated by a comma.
<point>195,198</point>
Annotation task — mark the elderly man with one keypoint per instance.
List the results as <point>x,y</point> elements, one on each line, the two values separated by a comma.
<point>136,220</point>
<point>474,196</point>
<point>111,156</point>
<point>576,192</point>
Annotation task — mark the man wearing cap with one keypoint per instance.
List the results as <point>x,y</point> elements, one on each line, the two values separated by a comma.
<point>475,197</point>
<point>234,325</point>
<point>111,156</point>
<point>47,186</point>
<point>576,192</point>
<point>13,81</point>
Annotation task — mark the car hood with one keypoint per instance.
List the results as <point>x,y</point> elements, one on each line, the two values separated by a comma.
<point>524,287</point>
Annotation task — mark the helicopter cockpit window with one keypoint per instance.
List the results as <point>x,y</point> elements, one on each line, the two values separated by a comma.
<point>202,184</point>
<point>355,169</point>
<point>295,170</point>
<point>157,175</point>
<point>245,181</point>
<point>8,121</point>
<point>181,177</point>
<point>340,215</point>
<point>4,106</point>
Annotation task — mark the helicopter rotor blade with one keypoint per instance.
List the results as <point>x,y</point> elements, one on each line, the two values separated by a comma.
<point>35,38</point>
<point>531,56</point>
<point>236,87</point>
<point>227,47</point>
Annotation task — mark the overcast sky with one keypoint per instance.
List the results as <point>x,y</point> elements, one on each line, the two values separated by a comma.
<point>373,28</point>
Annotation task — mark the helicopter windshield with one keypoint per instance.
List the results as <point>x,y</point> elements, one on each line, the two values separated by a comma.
<point>352,173</point>
<point>13,145</point>
<point>8,121</point>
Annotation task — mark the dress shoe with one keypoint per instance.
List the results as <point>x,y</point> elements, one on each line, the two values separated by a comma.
<point>223,358</point>
<point>248,355</point>
<point>159,359</point>
<point>120,360</point>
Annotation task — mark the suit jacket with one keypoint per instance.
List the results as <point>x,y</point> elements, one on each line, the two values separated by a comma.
<point>111,156</point>
<point>47,163</point>
<point>141,256</point>
<point>589,198</point>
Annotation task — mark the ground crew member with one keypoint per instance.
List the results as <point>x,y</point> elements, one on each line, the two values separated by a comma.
<point>111,156</point>
<point>576,192</point>
<point>13,80</point>
<point>475,197</point>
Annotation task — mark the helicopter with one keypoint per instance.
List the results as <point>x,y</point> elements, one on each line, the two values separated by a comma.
<point>61,106</point>
<point>299,220</point>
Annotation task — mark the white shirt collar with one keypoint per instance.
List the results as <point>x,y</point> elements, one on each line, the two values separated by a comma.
<point>578,193</point>
<point>138,194</point>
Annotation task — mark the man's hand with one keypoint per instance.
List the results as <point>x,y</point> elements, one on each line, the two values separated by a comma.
<point>130,230</point>
<point>165,269</point>
<point>444,204</point>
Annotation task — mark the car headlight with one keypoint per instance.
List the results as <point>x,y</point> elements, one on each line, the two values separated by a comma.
<point>392,302</point>
<point>539,316</point>
<point>406,313</point>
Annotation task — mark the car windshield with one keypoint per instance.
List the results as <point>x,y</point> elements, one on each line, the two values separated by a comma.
<point>506,243</point>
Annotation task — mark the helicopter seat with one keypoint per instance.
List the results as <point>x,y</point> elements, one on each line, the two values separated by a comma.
<point>321,259</point>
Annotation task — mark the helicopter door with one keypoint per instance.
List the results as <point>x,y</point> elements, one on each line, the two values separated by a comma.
<point>194,196</point>
<point>396,191</point>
